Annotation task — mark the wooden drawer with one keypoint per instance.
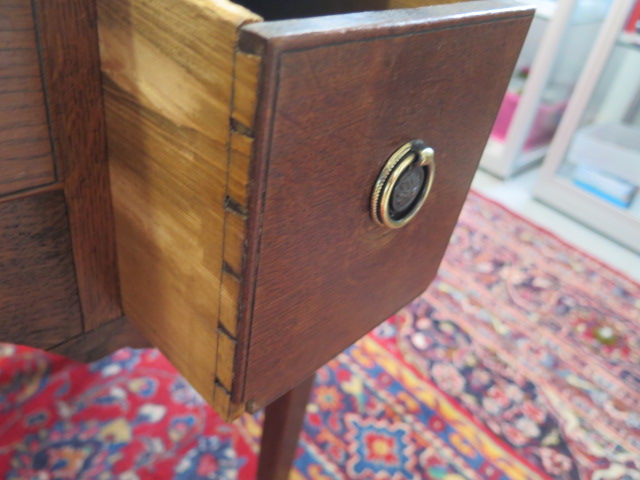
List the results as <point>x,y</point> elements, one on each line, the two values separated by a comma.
<point>244,155</point>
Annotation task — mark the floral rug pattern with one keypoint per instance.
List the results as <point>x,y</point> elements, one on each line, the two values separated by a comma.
<point>521,361</point>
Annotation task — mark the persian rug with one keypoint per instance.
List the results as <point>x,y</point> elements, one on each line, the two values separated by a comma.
<point>522,361</point>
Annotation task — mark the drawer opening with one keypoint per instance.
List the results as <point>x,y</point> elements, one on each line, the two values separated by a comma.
<point>290,9</point>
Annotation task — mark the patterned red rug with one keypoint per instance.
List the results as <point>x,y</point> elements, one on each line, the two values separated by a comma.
<point>522,361</point>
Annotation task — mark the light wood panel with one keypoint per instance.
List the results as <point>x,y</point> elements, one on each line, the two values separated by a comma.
<point>169,84</point>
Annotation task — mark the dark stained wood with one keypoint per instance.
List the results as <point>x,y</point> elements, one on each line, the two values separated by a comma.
<point>102,341</point>
<point>283,421</point>
<point>69,45</point>
<point>25,145</point>
<point>32,191</point>
<point>334,108</point>
<point>38,291</point>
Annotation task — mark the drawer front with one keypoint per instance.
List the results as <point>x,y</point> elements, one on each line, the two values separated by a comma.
<point>327,272</point>
<point>243,156</point>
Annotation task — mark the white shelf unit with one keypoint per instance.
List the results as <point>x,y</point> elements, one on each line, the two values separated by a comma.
<point>613,107</point>
<point>558,42</point>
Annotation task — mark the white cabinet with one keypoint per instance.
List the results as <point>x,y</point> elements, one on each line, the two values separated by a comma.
<point>592,169</point>
<point>559,41</point>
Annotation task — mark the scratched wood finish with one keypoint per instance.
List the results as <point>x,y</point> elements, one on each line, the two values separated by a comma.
<point>26,160</point>
<point>38,292</point>
<point>327,274</point>
<point>168,70</point>
<point>71,69</point>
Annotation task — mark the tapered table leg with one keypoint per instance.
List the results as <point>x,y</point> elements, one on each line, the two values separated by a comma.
<point>282,424</point>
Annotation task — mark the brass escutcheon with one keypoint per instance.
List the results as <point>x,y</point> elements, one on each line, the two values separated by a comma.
<point>403,184</point>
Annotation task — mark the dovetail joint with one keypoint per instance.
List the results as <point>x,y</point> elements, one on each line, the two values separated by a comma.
<point>226,268</point>
<point>221,385</point>
<point>233,206</point>
<point>242,129</point>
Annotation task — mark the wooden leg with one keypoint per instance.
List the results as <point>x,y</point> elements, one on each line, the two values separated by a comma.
<point>282,424</point>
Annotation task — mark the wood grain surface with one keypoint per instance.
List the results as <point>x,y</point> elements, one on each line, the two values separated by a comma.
<point>26,160</point>
<point>71,67</point>
<point>168,70</point>
<point>101,341</point>
<point>38,292</point>
<point>334,109</point>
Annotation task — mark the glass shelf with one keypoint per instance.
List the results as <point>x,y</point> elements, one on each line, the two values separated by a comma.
<point>559,41</point>
<point>592,171</point>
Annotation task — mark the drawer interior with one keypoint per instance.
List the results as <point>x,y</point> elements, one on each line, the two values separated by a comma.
<point>289,9</point>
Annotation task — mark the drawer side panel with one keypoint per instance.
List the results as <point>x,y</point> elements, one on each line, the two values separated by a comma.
<point>168,73</point>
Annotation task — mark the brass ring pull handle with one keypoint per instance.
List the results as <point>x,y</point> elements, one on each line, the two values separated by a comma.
<point>403,185</point>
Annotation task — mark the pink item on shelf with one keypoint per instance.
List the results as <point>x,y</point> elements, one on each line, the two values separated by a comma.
<point>633,22</point>
<point>544,124</point>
